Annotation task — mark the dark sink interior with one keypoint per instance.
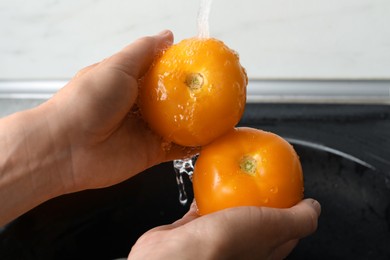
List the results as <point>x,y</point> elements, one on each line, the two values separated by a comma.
<point>345,154</point>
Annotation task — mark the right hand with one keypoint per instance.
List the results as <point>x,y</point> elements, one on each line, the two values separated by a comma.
<point>235,233</point>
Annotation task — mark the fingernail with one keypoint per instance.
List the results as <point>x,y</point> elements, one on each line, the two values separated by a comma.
<point>164,32</point>
<point>317,206</point>
<point>167,34</point>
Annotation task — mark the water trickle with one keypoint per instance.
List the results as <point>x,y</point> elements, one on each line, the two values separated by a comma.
<point>183,198</point>
<point>182,167</point>
<point>186,166</point>
<point>203,19</point>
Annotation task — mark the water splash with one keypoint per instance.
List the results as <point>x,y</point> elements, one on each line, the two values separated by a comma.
<point>182,167</point>
<point>203,19</point>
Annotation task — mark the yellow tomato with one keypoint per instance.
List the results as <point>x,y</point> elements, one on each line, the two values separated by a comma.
<point>194,92</point>
<point>247,167</point>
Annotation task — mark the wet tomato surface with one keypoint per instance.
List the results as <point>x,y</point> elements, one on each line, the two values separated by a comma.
<point>247,167</point>
<point>194,92</point>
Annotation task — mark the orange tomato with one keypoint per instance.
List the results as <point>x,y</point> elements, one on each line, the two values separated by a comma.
<point>247,167</point>
<point>194,92</point>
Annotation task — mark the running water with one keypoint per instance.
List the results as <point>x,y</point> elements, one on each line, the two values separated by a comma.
<point>183,167</point>
<point>186,166</point>
<point>203,18</point>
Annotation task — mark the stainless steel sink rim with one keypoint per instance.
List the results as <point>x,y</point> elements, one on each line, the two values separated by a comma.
<point>348,91</point>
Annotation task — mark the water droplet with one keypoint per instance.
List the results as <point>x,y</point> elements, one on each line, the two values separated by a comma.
<point>189,52</point>
<point>227,63</point>
<point>274,190</point>
<point>236,54</point>
<point>266,200</point>
<point>166,146</point>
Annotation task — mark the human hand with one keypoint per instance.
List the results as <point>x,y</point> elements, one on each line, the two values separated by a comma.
<point>87,136</point>
<point>92,116</point>
<point>235,233</point>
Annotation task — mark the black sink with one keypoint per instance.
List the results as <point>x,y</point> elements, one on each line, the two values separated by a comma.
<point>345,153</point>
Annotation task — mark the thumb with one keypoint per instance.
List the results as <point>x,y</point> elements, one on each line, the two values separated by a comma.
<point>301,220</point>
<point>109,89</point>
<point>260,231</point>
<point>136,58</point>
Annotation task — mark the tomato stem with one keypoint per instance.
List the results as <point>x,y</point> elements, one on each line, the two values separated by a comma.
<point>248,165</point>
<point>194,81</point>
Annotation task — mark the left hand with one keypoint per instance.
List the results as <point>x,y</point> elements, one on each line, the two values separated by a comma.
<point>107,141</point>
<point>85,137</point>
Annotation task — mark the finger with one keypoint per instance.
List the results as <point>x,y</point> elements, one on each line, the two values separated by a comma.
<point>304,218</point>
<point>189,216</point>
<point>172,151</point>
<point>85,70</point>
<point>284,250</point>
<point>247,225</point>
<point>136,58</point>
<point>297,222</point>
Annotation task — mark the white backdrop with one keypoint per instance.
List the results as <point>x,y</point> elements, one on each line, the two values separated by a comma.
<point>283,39</point>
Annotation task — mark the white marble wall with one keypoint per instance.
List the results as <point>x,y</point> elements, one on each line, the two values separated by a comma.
<point>52,39</point>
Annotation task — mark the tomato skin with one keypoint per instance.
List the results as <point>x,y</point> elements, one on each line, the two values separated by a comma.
<point>194,116</point>
<point>220,182</point>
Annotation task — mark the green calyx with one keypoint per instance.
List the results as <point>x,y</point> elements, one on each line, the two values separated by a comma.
<point>194,81</point>
<point>248,165</point>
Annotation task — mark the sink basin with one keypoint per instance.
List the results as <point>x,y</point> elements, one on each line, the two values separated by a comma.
<point>345,154</point>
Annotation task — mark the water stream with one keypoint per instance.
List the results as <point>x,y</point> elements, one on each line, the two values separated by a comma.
<point>182,167</point>
<point>203,18</point>
<point>186,166</point>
